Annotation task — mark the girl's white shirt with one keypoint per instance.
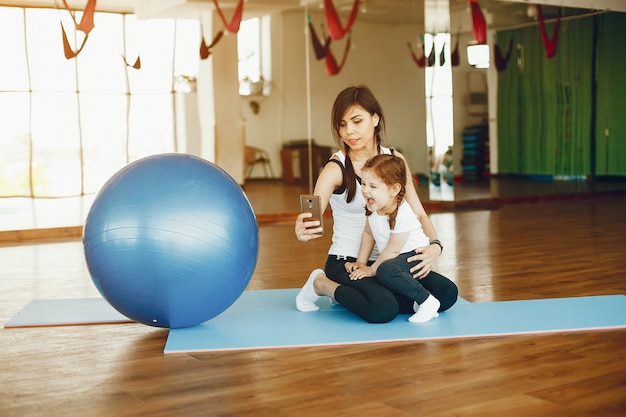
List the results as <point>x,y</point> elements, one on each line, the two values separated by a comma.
<point>406,221</point>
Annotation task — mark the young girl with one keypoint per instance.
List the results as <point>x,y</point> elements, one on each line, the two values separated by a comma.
<point>395,231</point>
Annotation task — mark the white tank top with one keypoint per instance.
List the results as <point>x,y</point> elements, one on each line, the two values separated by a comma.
<point>349,219</point>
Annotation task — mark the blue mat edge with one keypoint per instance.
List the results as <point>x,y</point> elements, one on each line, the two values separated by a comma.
<point>104,312</point>
<point>289,295</point>
<point>285,305</point>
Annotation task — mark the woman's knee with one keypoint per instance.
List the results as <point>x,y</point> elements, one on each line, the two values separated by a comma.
<point>449,297</point>
<point>376,305</point>
<point>383,307</point>
<point>442,288</point>
<point>382,313</point>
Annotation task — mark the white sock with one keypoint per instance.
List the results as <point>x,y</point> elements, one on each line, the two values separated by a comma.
<point>306,298</point>
<point>426,311</point>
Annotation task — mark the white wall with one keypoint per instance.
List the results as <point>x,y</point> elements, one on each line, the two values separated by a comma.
<point>217,133</point>
<point>229,139</point>
<point>379,58</point>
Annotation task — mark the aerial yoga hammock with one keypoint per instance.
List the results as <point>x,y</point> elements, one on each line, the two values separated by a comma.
<point>503,60</point>
<point>232,26</point>
<point>549,44</point>
<point>206,50</point>
<point>85,25</point>
<point>323,51</point>
<point>136,65</point>
<point>479,24</point>
<point>454,55</point>
<point>335,29</point>
<point>332,68</point>
<point>430,61</point>
<point>442,55</point>
<point>235,21</point>
<point>421,61</point>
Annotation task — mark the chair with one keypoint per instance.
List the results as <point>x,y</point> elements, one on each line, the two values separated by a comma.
<point>254,156</point>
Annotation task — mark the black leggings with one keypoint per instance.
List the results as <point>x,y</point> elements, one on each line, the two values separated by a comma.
<point>375,303</point>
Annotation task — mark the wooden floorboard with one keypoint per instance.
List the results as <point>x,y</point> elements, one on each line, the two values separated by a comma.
<point>40,219</point>
<point>526,250</point>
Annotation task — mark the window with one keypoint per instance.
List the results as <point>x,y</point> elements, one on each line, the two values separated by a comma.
<point>253,45</point>
<point>70,124</point>
<point>439,126</point>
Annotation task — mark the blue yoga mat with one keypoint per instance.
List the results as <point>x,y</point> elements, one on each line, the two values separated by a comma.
<point>269,319</point>
<point>66,312</point>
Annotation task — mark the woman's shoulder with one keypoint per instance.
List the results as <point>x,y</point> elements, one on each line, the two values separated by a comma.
<point>338,156</point>
<point>392,151</point>
<point>332,175</point>
<point>336,164</point>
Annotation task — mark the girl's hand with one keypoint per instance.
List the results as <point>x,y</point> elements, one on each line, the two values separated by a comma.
<point>302,233</point>
<point>359,271</point>
<point>351,266</point>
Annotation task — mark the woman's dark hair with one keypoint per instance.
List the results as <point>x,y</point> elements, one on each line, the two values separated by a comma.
<point>391,170</point>
<point>363,97</point>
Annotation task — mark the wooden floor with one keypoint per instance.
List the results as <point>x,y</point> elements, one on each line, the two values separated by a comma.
<point>27,219</point>
<point>540,246</point>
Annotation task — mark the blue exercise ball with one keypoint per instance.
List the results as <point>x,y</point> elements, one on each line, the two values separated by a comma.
<point>171,240</point>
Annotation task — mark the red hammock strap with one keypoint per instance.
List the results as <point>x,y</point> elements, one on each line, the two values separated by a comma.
<point>549,44</point>
<point>331,64</point>
<point>235,21</point>
<point>206,50</point>
<point>421,61</point>
<point>479,24</point>
<point>335,30</point>
<point>86,22</point>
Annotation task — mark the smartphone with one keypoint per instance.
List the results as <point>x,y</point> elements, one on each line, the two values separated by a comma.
<point>312,204</point>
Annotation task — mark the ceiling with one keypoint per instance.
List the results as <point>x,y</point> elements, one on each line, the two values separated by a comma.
<point>498,13</point>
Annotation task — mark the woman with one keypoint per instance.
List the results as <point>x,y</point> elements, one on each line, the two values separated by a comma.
<point>392,227</point>
<point>358,124</point>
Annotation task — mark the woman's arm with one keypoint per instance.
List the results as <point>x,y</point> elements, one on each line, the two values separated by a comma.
<point>367,244</point>
<point>328,181</point>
